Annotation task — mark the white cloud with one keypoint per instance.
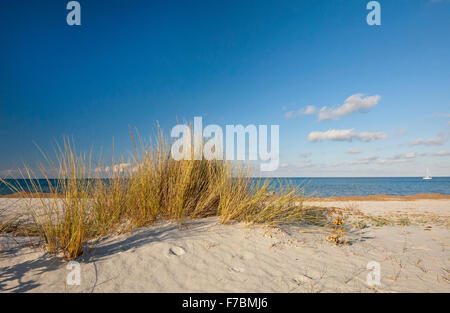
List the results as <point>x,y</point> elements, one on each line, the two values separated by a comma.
<point>290,115</point>
<point>400,158</point>
<point>439,140</point>
<point>354,103</point>
<point>118,168</point>
<point>121,167</point>
<point>442,153</point>
<point>12,173</point>
<point>354,151</point>
<point>387,162</point>
<point>345,135</point>
<point>309,110</point>
<point>364,160</point>
<point>336,164</point>
<point>410,155</point>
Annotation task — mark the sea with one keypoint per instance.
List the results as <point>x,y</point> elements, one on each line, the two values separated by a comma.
<point>321,187</point>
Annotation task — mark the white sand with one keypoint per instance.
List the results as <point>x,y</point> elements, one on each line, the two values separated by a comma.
<point>434,207</point>
<point>205,256</point>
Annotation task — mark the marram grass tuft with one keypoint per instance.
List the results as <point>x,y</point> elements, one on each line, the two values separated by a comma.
<point>87,202</point>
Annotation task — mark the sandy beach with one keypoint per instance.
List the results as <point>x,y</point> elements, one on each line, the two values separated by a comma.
<point>383,205</point>
<point>206,256</point>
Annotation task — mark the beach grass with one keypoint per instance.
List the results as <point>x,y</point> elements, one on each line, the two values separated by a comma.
<point>149,187</point>
<point>61,216</point>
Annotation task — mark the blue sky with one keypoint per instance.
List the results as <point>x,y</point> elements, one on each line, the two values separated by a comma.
<point>132,63</point>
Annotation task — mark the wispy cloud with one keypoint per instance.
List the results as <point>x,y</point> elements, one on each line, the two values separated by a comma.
<point>354,151</point>
<point>410,155</point>
<point>12,173</point>
<point>118,168</point>
<point>354,103</point>
<point>441,115</point>
<point>345,135</point>
<point>387,162</point>
<point>442,153</point>
<point>398,133</point>
<point>439,140</point>
<point>309,110</point>
<point>306,164</point>
<point>401,158</point>
<point>364,160</point>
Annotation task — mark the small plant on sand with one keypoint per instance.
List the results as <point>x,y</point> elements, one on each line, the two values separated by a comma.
<point>16,224</point>
<point>379,221</point>
<point>337,228</point>
<point>404,221</point>
<point>360,224</point>
<point>8,224</point>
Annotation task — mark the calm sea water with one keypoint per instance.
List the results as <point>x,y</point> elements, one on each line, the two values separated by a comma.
<point>329,187</point>
<point>363,186</point>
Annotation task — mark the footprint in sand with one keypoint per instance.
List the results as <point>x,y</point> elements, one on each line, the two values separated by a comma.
<point>235,270</point>
<point>176,251</point>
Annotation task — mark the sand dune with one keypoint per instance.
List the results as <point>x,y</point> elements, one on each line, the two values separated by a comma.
<point>205,256</point>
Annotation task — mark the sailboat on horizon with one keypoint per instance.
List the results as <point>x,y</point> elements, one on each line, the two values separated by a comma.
<point>428,177</point>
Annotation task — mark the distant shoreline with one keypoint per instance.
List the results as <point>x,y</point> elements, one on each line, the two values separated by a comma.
<point>365,188</point>
<point>376,197</point>
<point>385,197</point>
